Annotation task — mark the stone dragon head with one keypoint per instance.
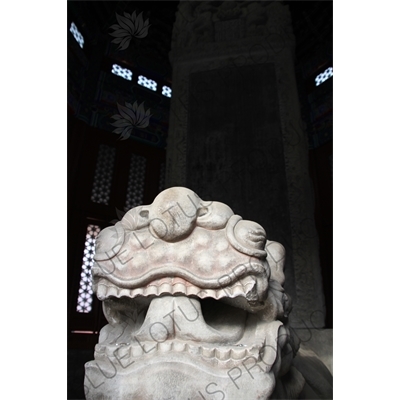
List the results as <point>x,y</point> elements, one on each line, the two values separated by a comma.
<point>194,299</point>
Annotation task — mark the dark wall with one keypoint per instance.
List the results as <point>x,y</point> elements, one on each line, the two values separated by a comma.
<point>321,171</point>
<point>76,372</point>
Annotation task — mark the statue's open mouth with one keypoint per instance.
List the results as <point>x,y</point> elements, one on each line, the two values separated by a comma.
<point>205,327</point>
<point>187,288</point>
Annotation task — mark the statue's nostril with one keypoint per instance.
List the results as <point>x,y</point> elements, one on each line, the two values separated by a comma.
<point>248,237</point>
<point>250,234</point>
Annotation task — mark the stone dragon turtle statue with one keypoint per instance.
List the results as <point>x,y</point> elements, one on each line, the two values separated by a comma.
<point>196,309</point>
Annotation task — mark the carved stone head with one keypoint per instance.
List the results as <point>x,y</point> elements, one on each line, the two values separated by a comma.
<point>194,299</point>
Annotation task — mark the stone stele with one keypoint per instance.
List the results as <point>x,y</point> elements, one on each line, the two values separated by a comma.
<point>196,309</point>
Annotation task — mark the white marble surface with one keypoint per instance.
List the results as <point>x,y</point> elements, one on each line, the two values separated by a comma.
<point>195,303</point>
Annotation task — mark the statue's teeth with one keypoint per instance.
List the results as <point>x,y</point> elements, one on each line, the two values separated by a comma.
<point>124,292</point>
<point>194,350</point>
<point>179,346</point>
<point>238,354</point>
<point>165,346</point>
<point>224,292</point>
<point>101,292</point>
<point>113,291</point>
<point>240,288</point>
<point>254,350</point>
<point>192,291</point>
<point>208,352</point>
<point>179,288</point>
<point>224,357</point>
<point>165,288</point>
<point>151,290</point>
<point>150,347</point>
<point>223,354</point>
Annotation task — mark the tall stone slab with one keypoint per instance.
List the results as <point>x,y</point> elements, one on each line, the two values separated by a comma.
<point>236,134</point>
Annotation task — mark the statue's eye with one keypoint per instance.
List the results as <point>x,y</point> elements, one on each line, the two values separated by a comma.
<point>144,214</point>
